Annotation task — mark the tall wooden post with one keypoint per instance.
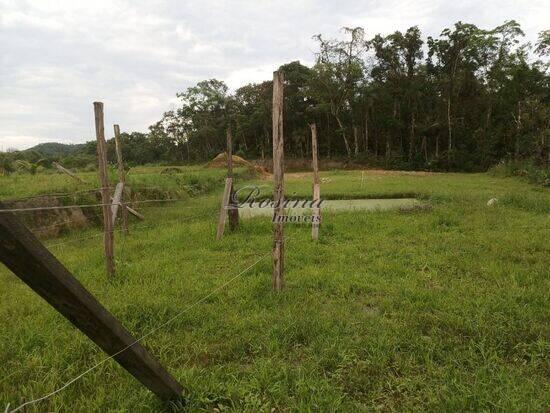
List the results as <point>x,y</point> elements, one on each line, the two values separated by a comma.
<point>278,181</point>
<point>23,254</point>
<point>105,191</point>
<point>316,215</point>
<point>121,177</point>
<point>233,210</point>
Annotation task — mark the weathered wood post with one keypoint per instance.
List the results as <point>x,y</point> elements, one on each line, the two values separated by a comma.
<point>105,191</point>
<point>316,211</point>
<point>29,260</point>
<point>278,182</point>
<point>223,207</point>
<point>116,201</point>
<point>121,177</point>
<point>233,211</point>
<point>227,207</point>
<point>60,168</point>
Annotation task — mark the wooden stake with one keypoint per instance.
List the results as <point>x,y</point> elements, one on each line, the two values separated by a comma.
<point>135,213</point>
<point>66,171</point>
<point>233,211</point>
<point>223,207</point>
<point>105,195</point>
<point>115,203</point>
<point>23,254</point>
<point>316,212</point>
<point>278,182</point>
<point>121,177</point>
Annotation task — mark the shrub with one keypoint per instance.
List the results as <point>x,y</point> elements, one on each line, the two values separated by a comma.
<point>535,173</point>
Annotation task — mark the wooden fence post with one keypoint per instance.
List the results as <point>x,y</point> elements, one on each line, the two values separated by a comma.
<point>23,254</point>
<point>316,211</point>
<point>115,203</point>
<point>60,168</point>
<point>121,177</point>
<point>223,207</point>
<point>105,192</point>
<point>233,211</point>
<point>278,182</point>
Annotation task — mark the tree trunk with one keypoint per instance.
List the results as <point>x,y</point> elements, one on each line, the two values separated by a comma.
<point>356,141</point>
<point>450,146</point>
<point>394,128</point>
<point>485,135</point>
<point>412,138</point>
<point>328,135</point>
<point>388,151</point>
<point>346,143</point>
<point>423,148</point>
<point>376,143</point>
<point>265,144</point>
<point>367,131</point>
<point>518,131</point>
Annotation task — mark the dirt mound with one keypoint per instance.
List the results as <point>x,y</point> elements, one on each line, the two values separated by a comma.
<point>48,220</point>
<point>220,161</point>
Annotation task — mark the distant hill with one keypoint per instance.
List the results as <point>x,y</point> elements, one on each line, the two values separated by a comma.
<point>54,149</point>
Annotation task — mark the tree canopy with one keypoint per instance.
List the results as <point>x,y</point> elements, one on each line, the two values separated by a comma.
<point>464,100</point>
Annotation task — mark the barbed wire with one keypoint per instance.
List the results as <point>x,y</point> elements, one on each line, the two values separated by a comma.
<point>37,229</point>
<point>87,205</point>
<point>133,228</point>
<point>98,189</point>
<point>55,195</point>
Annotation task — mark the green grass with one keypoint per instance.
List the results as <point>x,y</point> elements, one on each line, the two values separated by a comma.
<point>148,180</point>
<point>432,310</point>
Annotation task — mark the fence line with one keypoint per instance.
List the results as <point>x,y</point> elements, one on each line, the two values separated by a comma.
<point>56,195</point>
<point>55,225</point>
<point>135,228</point>
<point>98,189</point>
<point>87,205</point>
<point>170,320</point>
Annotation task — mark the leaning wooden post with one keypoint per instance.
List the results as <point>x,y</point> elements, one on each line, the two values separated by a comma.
<point>105,192</point>
<point>29,260</point>
<point>60,168</point>
<point>316,212</point>
<point>121,177</point>
<point>233,209</point>
<point>278,182</point>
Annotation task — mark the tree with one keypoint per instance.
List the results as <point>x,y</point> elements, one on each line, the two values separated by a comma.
<point>336,75</point>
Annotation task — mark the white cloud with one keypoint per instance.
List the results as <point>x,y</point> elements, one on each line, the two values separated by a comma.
<point>60,56</point>
<point>243,76</point>
<point>18,142</point>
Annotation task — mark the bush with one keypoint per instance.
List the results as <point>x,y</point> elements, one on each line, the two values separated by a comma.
<point>537,174</point>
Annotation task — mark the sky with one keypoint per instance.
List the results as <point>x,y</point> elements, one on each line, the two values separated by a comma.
<point>58,57</point>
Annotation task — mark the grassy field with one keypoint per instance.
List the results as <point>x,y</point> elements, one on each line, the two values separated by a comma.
<point>444,309</point>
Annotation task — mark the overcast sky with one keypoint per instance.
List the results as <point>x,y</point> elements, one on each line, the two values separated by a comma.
<point>57,57</point>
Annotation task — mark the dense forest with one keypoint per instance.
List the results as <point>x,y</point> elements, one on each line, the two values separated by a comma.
<point>465,100</point>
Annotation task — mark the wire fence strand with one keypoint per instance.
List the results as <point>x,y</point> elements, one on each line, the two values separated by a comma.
<point>133,228</point>
<point>170,320</point>
<point>146,201</point>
